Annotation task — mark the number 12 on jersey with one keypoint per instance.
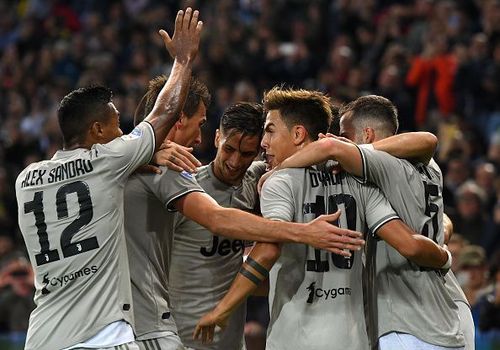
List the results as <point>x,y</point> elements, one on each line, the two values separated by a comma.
<point>86,213</point>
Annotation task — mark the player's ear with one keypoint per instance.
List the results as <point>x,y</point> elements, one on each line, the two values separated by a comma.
<point>96,129</point>
<point>181,121</point>
<point>299,134</point>
<point>217,138</point>
<point>368,135</point>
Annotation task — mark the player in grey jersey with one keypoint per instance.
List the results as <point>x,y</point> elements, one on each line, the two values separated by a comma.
<point>315,297</point>
<point>415,191</point>
<point>71,210</point>
<point>149,234</point>
<point>203,265</point>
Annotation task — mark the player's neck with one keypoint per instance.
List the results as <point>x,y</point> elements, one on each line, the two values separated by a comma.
<point>75,145</point>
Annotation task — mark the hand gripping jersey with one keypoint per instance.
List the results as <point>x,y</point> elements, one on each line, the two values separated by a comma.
<point>316,297</point>
<point>204,265</point>
<point>149,233</point>
<point>401,287</point>
<point>71,218</point>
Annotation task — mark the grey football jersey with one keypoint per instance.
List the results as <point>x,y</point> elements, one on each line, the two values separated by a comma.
<point>71,218</point>
<point>149,216</point>
<point>316,297</point>
<point>204,265</point>
<point>402,288</point>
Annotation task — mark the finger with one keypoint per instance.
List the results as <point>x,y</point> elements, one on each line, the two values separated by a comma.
<point>178,21</point>
<point>197,331</point>
<point>321,135</point>
<point>204,335</point>
<point>187,19</point>
<point>211,334</point>
<point>330,217</point>
<point>194,20</point>
<point>341,252</point>
<point>152,169</point>
<point>184,162</point>
<point>199,27</point>
<point>187,153</point>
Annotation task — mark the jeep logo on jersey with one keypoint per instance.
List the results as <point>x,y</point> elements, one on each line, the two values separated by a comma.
<point>66,279</point>
<point>325,294</point>
<point>223,248</point>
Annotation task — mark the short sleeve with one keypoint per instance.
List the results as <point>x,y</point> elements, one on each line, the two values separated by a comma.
<point>126,153</point>
<point>378,210</point>
<point>276,199</point>
<point>171,185</point>
<point>382,169</point>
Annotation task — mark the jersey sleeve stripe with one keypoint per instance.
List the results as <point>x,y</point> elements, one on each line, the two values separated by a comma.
<point>154,139</point>
<point>383,221</point>
<point>364,177</point>
<point>169,205</point>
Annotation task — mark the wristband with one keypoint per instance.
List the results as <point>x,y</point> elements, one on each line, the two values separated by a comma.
<point>448,262</point>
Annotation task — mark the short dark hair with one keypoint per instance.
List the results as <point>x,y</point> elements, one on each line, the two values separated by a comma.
<point>198,92</point>
<point>312,109</point>
<point>243,117</point>
<point>373,111</point>
<point>80,108</point>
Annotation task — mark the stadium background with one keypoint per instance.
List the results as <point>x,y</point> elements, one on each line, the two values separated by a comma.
<point>438,61</point>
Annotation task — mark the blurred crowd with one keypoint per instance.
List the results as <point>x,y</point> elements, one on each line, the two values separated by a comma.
<point>437,60</point>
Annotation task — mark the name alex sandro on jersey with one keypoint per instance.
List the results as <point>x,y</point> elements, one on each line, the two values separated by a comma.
<point>62,172</point>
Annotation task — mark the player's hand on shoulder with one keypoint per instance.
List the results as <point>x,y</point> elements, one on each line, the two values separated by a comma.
<point>322,234</point>
<point>183,46</point>
<point>205,328</point>
<point>176,157</point>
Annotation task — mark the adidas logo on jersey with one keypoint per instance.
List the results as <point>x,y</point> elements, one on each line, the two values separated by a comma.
<point>325,294</point>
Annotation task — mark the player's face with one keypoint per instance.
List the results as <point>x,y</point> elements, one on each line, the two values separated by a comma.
<point>111,128</point>
<point>190,131</point>
<point>235,153</point>
<point>277,140</point>
<point>348,130</point>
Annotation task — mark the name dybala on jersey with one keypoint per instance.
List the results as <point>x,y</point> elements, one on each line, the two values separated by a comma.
<point>71,217</point>
<point>316,297</point>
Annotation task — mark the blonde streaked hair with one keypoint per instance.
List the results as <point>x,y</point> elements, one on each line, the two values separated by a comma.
<point>312,109</point>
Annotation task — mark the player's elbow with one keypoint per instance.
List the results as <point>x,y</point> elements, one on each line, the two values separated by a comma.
<point>270,254</point>
<point>431,142</point>
<point>328,146</point>
<point>217,220</point>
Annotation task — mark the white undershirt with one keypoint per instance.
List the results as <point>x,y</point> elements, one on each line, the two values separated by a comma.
<point>116,333</point>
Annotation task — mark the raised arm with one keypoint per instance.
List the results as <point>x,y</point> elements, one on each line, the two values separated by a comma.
<point>253,272</point>
<point>235,223</point>
<point>413,146</point>
<point>172,96</point>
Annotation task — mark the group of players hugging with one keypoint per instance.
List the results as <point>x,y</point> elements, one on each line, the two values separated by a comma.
<point>350,236</point>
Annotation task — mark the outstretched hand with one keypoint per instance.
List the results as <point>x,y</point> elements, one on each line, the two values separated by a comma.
<point>322,234</point>
<point>183,46</point>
